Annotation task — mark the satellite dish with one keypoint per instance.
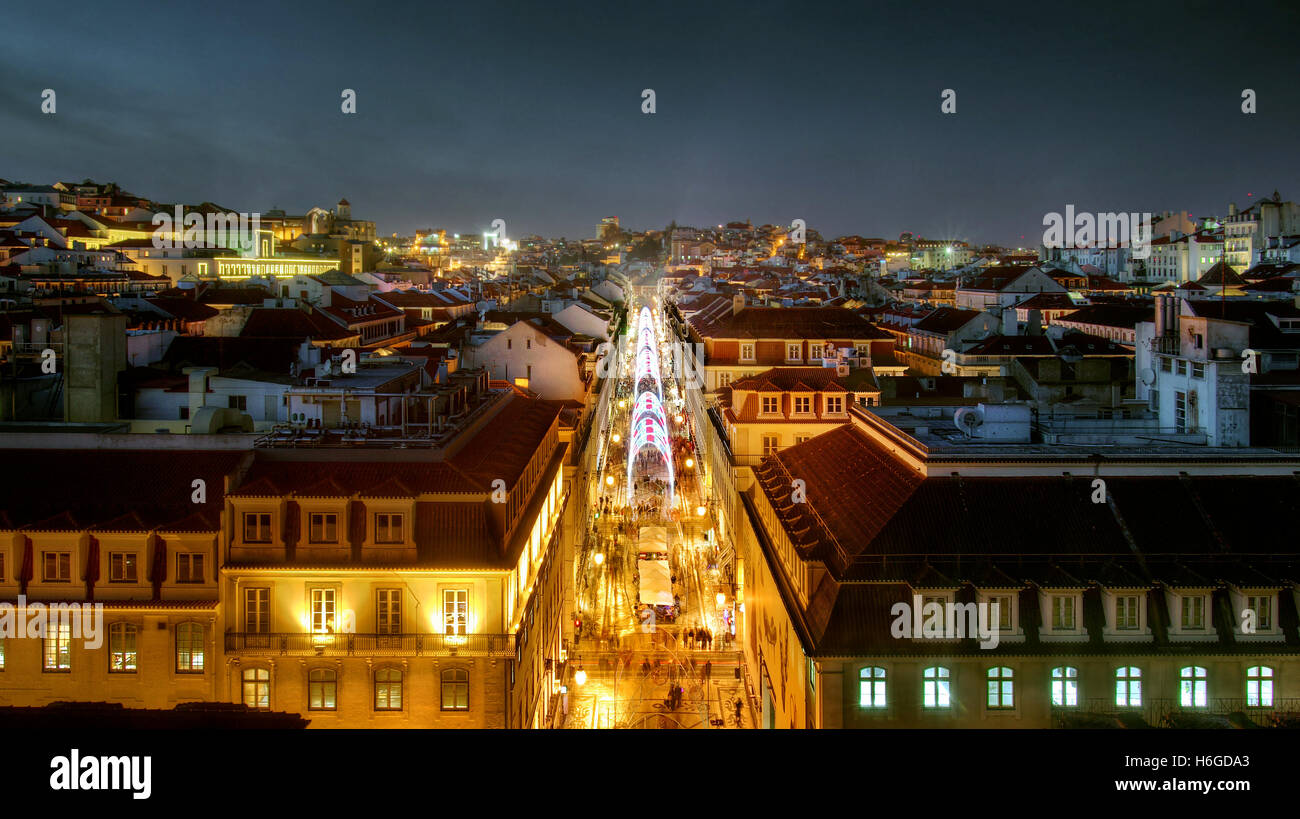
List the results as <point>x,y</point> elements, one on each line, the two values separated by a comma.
<point>1148,376</point>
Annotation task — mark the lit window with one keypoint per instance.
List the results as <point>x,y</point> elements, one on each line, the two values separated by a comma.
<point>257,527</point>
<point>122,567</point>
<point>257,612</point>
<point>322,611</point>
<point>455,690</point>
<point>935,689</point>
<point>1259,686</point>
<point>1193,612</point>
<point>1128,687</point>
<point>1062,612</point>
<point>388,689</point>
<point>189,568</point>
<point>389,613</point>
<point>455,611</point>
<point>322,689</point>
<point>189,648</point>
<point>257,688</point>
<point>121,647</point>
<point>1126,612</point>
<point>58,647</point>
<point>1001,687</point>
<point>1192,691</point>
<point>324,528</point>
<point>871,688</point>
<point>389,528</point>
<point>1065,687</point>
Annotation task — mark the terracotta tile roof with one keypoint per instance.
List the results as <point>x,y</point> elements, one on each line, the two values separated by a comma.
<point>789,322</point>
<point>1221,275</point>
<point>290,322</point>
<point>348,478</point>
<point>74,490</point>
<point>945,320</point>
<point>792,379</point>
<point>185,309</point>
<point>503,448</point>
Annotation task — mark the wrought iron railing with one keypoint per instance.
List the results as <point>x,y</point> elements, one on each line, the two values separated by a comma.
<point>304,644</point>
<point>1159,711</point>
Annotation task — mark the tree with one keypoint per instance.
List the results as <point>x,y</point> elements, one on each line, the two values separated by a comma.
<point>646,249</point>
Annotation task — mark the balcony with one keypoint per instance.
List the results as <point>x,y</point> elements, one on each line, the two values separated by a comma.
<point>1169,712</point>
<point>303,644</point>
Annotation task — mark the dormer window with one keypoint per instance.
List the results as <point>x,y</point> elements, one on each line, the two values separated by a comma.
<point>1062,612</point>
<point>794,352</point>
<point>1127,612</point>
<point>257,527</point>
<point>1192,612</point>
<point>802,404</point>
<point>814,352</point>
<point>834,404</point>
<point>747,352</point>
<point>1262,608</point>
<point>324,528</point>
<point>771,404</point>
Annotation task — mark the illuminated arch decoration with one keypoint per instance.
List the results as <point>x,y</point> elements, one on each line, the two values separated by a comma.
<point>649,425</point>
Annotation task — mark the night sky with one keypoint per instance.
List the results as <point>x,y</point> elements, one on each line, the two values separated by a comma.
<point>531,111</point>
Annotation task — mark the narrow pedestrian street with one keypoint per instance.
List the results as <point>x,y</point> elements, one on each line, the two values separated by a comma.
<point>652,651</point>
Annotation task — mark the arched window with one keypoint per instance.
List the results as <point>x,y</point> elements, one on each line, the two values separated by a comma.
<point>257,688</point>
<point>1001,687</point>
<point>871,688</point>
<point>189,648</point>
<point>935,688</point>
<point>1259,686</point>
<point>322,689</point>
<point>455,690</point>
<point>1128,686</point>
<point>388,689</point>
<point>1192,687</point>
<point>1065,687</point>
<point>121,648</point>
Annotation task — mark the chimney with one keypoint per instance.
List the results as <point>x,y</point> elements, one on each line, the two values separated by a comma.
<point>737,303</point>
<point>1010,326</point>
<point>1160,315</point>
<point>1232,208</point>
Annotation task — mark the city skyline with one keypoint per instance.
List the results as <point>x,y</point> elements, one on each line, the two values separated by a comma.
<point>528,116</point>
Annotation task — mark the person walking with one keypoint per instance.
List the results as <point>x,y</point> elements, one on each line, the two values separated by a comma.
<point>707,673</point>
<point>739,707</point>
